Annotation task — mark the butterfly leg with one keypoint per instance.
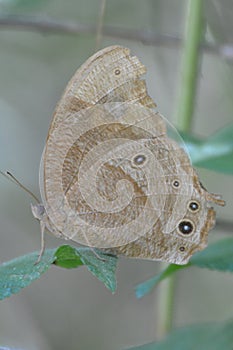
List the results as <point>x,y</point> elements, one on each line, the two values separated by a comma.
<point>97,255</point>
<point>42,249</point>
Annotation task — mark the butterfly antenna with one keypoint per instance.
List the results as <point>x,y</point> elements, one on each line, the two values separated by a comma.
<point>13,179</point>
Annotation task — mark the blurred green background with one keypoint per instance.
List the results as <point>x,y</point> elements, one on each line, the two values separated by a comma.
<point>71,309</point>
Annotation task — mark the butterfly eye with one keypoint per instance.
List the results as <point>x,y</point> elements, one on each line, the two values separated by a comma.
<point>182,249</point>
<point>176,184</point>
<point>193,206</point>
<point>186,227</point>
<point>139,159</point>
<point>117,72</point>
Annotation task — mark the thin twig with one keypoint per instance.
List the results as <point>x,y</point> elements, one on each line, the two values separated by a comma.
<point>53,26</point>
<point>99,31</point>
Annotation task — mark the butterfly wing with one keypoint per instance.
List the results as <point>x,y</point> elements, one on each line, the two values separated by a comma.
<point>110,75</point>
<point>106,144</point>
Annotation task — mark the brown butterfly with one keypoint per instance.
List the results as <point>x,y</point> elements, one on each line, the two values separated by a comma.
<point>111,177</point>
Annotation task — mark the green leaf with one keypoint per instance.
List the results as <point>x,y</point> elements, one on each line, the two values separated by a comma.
<point>217,256</point>
<point>146,287</point>
<point>214,153</point>
<point>67,257</point>
<point>206,336</point>
<point>20,272</point>
<point>100,264</point>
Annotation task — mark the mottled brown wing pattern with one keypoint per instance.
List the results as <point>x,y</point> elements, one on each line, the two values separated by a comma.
<point>111,176</point>
<point>110,75</point>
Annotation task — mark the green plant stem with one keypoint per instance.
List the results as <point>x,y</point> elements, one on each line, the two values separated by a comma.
<point>183,121</point>
<point>189,66</point>
<point>166,305</point>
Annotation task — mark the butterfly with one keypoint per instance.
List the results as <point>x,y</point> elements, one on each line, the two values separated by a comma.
<point>111,177</point>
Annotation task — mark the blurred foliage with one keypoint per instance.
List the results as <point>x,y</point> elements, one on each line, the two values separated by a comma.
<point>213,153</point>
<point>217,256</point>
<point>14,6</point>
<point>206,336</point>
